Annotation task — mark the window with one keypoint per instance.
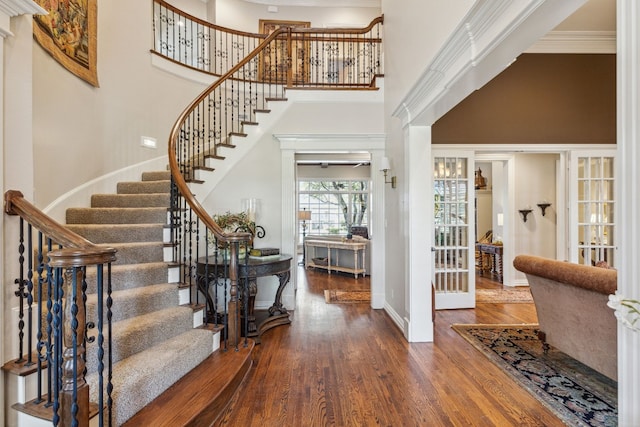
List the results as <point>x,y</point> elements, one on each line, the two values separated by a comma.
<point>335,205</point>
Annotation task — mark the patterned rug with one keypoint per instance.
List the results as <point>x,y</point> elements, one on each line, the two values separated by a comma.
<point>332,296</point>
<point>577,394</point>
<point>504,296</point>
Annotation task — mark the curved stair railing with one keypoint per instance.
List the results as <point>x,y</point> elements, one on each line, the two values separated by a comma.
<point>285,59</point>
<point>52,320</point>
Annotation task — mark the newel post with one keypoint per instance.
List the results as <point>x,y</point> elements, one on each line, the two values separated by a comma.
<point>69,361</point>
<point>233,311</point>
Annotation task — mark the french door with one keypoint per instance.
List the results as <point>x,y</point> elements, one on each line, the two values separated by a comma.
<point>453,247</point>
<point>593,204</point>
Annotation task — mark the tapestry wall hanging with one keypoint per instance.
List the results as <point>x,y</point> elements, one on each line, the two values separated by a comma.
<point>69,34</point>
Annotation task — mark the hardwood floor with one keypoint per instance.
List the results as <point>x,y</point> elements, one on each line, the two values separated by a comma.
<point>349,365</point>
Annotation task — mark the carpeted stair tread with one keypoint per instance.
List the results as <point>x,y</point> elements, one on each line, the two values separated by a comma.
<point>132,302</point>
<point>133,335</point>
<point>129,276</point>
<point>164,175</point>
<point>130,200</point>
<point>139,379</point>
<point>146,187</point>
<point>137,252</point>
<point>114,233</point>
<point>117,215</point>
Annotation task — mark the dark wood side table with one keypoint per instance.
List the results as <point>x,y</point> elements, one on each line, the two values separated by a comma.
<point>258,321</point>
<point>495,251</point>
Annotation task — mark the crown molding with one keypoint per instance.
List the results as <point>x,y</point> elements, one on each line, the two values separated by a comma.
<point>330,143</point>
<point>11,8</point>
<point>576,42</point>
<point>20,7</point>
<point>319,3</point>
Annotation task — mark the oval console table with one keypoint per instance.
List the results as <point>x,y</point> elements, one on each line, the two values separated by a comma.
<point>259,321</point>
<point>357,249</point>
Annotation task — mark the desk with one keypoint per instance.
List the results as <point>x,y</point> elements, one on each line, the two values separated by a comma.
<point>258,323</point>
<point>495,251</point>
<point>357,247</point>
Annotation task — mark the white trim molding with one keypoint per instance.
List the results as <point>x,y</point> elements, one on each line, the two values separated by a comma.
<point>11,8</point>
<point>21,7</point>
<point>628,186</point>
<point>486,41</point>
<point>290,144</point>
<point>575,42</point>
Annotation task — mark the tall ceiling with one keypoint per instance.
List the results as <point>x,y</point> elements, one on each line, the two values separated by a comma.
<point>595,15</point>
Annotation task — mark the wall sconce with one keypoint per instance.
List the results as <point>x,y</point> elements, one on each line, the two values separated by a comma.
<point>543,207</point>
<point>524,213</point>
<point>384,167</point>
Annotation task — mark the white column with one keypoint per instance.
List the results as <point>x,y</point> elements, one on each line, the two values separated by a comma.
<point>419,326</point>
<point>289,224</point>
<point>628,179</point>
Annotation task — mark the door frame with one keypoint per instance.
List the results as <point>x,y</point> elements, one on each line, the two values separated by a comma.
<point>506,153</point>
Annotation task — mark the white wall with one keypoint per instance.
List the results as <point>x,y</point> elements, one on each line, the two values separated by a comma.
<point>535,182</point>
<point>244,16</point>
<point>81,132</point>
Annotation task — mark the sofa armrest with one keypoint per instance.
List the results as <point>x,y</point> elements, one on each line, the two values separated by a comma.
<point>602,280</point>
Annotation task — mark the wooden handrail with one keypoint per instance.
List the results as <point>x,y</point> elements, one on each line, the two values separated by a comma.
<point>16,204</point>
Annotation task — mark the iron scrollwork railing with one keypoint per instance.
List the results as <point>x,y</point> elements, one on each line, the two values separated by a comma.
<point>335,58</point>
<point>52,299</point>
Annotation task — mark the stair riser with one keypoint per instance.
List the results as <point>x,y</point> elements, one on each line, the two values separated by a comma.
<point>131,276</point>
<point>138,254</point>
<point>130,303</point>
<point>130,200</point>
<point>120,234</point>
<point>156,176</point>
<point>117,216</point>
<point>146,187</point>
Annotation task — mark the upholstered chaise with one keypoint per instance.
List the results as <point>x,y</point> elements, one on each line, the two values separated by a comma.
<point>571,302</point>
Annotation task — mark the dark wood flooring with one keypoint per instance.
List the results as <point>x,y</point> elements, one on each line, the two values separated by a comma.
<point>349,365</point>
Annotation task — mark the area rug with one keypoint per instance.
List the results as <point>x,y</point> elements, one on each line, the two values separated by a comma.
<point>504,296</point>
<point>577,394</point>
<point>333,296</point>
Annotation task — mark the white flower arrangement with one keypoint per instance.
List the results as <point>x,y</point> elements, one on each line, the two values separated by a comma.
<point>627,310</point>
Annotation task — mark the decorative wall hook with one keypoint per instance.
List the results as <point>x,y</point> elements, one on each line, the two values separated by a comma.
<point>524,213</point>
<point>543,207</point>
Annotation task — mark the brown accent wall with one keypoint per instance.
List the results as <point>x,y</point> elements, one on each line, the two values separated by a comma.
<point>539,99</point>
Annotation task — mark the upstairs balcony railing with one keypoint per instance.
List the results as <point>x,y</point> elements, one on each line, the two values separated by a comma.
<point>335,58</point>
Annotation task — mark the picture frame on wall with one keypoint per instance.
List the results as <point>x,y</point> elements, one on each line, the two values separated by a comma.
<point>69,34</point>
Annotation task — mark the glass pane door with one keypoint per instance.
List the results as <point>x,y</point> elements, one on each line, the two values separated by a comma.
<point>453,248</point>
<point>595,203</point>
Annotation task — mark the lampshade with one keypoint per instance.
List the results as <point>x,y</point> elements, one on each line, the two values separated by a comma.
<point>304,215</point>
<point>384,164</point>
